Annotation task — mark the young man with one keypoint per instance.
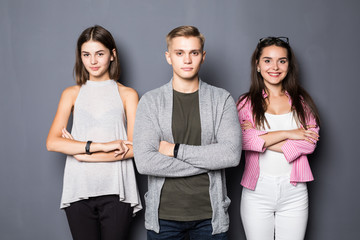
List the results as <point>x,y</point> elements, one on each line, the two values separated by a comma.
<point>186,132</point>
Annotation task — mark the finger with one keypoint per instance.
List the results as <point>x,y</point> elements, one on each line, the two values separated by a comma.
<point>66,134</point>
<point>121,155</point>
<point>309,140</point>
<point>313,138</point>
<point>65,131</point>
<point>247,125</point>
<point>123,146</point>
<point>128,142</point>
<point>316,137</point>
<point>126,148</point>
<point>312,134</point>
<point>126,151</point>
<point>117,153</point>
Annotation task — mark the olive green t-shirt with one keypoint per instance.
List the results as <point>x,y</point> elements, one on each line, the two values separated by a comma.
<point>186,198</point>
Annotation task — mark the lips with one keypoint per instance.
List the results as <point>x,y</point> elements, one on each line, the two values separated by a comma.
<point>187,69</point>
<point>274,74</point>
<point>94,68</point>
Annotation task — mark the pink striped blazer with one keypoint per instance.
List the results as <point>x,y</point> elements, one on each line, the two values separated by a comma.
<point>295,151</point>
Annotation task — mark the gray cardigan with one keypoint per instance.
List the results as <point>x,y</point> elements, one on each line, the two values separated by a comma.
<point>220,148</point>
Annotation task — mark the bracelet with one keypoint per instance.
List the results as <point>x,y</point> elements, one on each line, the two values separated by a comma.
<point>176,149</point>
<point>87,147</point>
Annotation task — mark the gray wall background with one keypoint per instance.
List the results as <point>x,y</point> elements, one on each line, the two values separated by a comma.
<point>37,45</point>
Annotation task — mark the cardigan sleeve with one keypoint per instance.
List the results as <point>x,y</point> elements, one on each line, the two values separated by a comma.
<point>250,137</point>
<point>146,140</point>
<point>226,151</point>
<point>293,149</point>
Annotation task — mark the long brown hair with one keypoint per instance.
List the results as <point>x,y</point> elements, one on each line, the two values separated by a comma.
<point>99,34</point>
<point>299,96</point>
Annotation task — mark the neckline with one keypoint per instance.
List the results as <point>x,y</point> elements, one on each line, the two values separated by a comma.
<point>101,83</point>
<point>284,114</point>
<point>186,94</point>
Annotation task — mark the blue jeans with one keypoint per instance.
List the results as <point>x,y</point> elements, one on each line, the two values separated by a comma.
<point>177,230</point>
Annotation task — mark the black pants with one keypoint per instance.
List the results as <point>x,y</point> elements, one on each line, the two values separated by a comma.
<point>99,218</point>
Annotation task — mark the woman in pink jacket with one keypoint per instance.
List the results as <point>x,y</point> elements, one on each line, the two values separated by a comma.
<point>280,126</point>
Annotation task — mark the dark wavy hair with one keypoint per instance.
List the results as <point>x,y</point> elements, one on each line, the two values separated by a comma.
<point>299,96</point>
<point>99,34</point>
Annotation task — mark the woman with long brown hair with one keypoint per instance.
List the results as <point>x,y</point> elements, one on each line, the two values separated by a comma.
<point>280,125</point>
<point>100,194</point>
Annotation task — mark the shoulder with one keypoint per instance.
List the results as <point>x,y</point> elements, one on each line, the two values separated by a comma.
<point>127,92</point>
<point>68,96</point>
<point>217,91</point>
<point>71,92</point>
<point>155,94</point>
<point>217,96</point>
<point>153,100</point>
<point>243,102</point>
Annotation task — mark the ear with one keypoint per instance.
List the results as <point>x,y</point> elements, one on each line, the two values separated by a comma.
<point>113,55</point>
<point>203,57</point>
<point>168,58</point>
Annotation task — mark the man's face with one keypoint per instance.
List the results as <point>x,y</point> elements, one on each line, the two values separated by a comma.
<point>186,56</point>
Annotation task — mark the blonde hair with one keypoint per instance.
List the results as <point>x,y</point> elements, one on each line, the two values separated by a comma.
<point>185,31</point>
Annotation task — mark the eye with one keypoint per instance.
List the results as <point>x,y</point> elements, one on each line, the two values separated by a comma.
<point>267,61</point>
<point>283,61</point>
<point>85,54</point>
<point>195,53</point>
<point>179,53</point>
<point>100,54</point>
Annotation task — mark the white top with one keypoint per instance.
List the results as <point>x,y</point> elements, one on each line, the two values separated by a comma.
<point>99,116</point>
<point>274,163</point>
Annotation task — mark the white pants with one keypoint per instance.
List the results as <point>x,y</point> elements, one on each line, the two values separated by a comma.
<point>276,208</point>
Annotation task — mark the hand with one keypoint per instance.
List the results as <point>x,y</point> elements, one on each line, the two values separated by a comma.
<point>302,134</point>
<point>245,125</point>
<point>118,146</point>
<point>167,148</point>
<point>123,150</point>
<point>66,134</point>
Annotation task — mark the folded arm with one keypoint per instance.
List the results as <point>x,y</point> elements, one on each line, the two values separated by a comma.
<point>55,141</point>
<point>130,100</point>
<point>226,151</point>
<point>251,140</point>
<point>60,140</point>
<point>148,159</point>
<point>294,148</point>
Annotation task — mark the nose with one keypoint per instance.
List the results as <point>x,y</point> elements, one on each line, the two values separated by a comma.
<point>187,59</point>
<point>93,60</point>
<point>275,66</point>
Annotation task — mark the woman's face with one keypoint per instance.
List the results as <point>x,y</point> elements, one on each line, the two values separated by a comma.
<point>96,59</point>
<point>273,65</point>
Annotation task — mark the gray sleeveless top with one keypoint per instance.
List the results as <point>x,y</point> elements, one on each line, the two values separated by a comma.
<point>99,116</point>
